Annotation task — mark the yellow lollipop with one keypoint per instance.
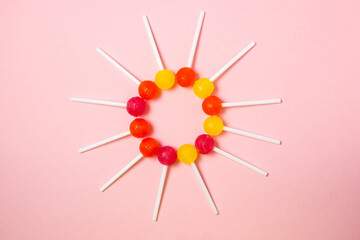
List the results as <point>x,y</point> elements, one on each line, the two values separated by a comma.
<point>213,125</point>
<point>187,153</point>
<point>203,87</point>
<point>164,79</point>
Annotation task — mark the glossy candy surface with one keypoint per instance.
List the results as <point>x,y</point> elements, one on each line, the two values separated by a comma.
<point>212,105</point>
<point>149,147</point>
<point>187,153</point>
<point>136,106</point>
<point>204,144</point>
<point>164,79</point>
<point>167,155</point>
<point>148,90</point>
<point>203,87</point>
<point>185,77</point>
<point>139,128</point>
<point>213,125</point>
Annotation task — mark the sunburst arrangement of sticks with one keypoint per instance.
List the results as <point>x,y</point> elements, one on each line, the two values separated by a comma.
<point>212,105</point>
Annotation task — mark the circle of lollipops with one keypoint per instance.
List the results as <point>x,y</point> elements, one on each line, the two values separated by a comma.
<point>212,105</point>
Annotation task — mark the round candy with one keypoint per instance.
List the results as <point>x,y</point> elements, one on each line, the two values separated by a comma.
<point>139,128</point>
<point>213,125</point>
<point>187,153</point>
<point>212,105</point>
<point>136,106</point>
<point>164,79</point>
<point>204,144</point>
<point>185,77</point>
<point>203,87</point>
<point>167,155</point>
<point>148,90</point>
<point>149,147</point>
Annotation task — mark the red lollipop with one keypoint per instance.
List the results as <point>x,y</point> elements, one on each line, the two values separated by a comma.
<point>148,90</point>
<point>204,143</point>
<point>185,77</point>
<point>139,128</point>
<point>167,155</point>
<point>149,147</point>
<point>136,106</point>
<point>212,105</point>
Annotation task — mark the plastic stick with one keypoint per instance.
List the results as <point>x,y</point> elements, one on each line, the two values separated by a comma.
<point>153,43</point>
<point>101,102</point>
<point>196,38</point>
<point>122,171</point>
<point>250,103</point>
<point>232,61</point>
<point>252,135</point>
<point>116,64</point>
<point>121,135</point>
<point>160,191</point>
<point>203,186</point>
<point>238,160</point>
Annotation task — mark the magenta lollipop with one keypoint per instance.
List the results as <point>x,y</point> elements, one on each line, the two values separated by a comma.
<point>166,156</point>
<point>204,143</point>
<point>136,106</point>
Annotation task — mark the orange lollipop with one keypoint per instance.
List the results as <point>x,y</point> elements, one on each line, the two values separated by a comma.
<point>212,105</point>
<point>148,90</point>
<point>139,128</point>
<point>149,147</point>
<point>185,77</point>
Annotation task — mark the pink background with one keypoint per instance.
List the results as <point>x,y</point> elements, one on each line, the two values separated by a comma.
<point>307,53</point>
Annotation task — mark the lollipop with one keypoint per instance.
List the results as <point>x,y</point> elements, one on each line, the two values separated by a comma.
<point>166,156</point>
<point>205,144</point>
<point>148,90</point>
<point>212,105</point>
<point>186,76</point>
<point>214,126</point>
<point>139,128</point>
<point>136,106</point>
<point>148,148</point>
<point>164,78</point>
<point>204,86</point>
<point>187,153</point>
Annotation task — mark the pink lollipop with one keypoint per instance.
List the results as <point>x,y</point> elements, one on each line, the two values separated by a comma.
<point>136,106</point>
<point>204,143</point>
<point>166,156</point>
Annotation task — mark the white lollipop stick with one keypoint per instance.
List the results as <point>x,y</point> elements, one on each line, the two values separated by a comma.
<point>116,64</point>
<point>127,167</point>
<point>252,135</point>
<point>121,135</point>
<point>238,160</point>
<point>101,102</point>
<point>232,61</point>
<point>203,186</point>
<point>250,103</point>
<point>196,38</point>
<point>153,43</point>
<point>160,191</point>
